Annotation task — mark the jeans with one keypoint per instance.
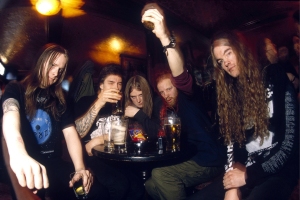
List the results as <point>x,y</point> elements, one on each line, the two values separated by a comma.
<point>170,182</point>
<point>273,188</point>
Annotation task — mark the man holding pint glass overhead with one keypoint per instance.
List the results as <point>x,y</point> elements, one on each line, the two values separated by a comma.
<point>175,88</point>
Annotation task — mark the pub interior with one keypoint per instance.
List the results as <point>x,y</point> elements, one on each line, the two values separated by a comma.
<point>110,31</point>
<point>106,31</point>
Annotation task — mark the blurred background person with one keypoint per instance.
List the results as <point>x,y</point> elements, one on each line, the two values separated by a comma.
<point>267,52</point>
<point>285,62</point>
<point>268,56</point>
<point>296,51</point>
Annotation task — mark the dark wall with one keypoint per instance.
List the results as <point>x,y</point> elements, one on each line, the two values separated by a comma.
<point>91,35</point>
<point>102,40</point>
<point>22,33</point>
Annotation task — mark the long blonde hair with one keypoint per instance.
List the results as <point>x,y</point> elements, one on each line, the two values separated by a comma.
<point>139,83</point>
<point>56,103</point>
<point>241,101</point>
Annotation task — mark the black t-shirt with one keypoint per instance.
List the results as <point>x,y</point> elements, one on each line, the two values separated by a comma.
<point>42,134</point>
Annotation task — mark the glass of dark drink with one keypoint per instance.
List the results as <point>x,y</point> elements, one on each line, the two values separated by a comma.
<point>147,24</point>
<point>78,185</point>
<point>172,129</point>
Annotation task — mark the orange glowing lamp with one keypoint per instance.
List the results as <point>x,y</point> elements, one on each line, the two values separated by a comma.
<point>48,7</point>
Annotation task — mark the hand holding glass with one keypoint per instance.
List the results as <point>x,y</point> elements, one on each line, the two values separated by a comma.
<point>117,108</point>
<point>78,187</point>
<point>147,24</point>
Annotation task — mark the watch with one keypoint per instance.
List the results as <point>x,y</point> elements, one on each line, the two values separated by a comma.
<point>171,45</point>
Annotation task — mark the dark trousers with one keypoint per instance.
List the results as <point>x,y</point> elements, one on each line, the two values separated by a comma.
<point>273,188</point>
<point>118,178</point>
<point>58,172</point>
<point>170,182</point>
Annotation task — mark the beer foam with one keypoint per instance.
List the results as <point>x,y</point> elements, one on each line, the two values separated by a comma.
<point>119,136</point>
<point>118,127</point>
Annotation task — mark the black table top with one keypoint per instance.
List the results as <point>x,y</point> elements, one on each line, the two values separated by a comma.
<point>132,154</point>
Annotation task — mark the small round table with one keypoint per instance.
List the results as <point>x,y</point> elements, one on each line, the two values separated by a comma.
<point>133,155</point>
<point>144,158</point>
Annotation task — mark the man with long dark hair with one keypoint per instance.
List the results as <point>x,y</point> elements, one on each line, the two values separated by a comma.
<point>89,110</point>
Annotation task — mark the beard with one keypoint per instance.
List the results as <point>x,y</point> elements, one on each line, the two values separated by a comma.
<point>171,102</point>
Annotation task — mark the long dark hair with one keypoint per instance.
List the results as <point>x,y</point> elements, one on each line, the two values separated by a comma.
<point>44,60</point>
<point>242,100</point>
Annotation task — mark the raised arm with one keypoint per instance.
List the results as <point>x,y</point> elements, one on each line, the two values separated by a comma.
<point>28,171</point>
<point>85,122</point>
<point>174,55</point>
<point>182,79</point>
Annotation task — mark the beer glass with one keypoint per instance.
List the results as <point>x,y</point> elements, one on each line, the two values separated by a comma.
<point>172,128</point>
<point>118,108</point>
<point>147,24</point>
<point>119,132</point>
<point>107,136</point>
<point>78,185</point>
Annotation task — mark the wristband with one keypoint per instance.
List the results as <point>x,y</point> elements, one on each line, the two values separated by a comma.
<point>171,45</point>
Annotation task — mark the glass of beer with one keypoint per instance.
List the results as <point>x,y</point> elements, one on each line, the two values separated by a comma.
<point>172,128</point>
<point>78,187</point>
<point>107,135</point>
<point>118,108</point>
<point>119,132</point>
<point>147,24</point>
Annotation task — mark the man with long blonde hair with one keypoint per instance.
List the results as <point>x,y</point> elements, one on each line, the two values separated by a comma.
<point>258,119</point>
<point>139,106</point>
<point>35,121</point>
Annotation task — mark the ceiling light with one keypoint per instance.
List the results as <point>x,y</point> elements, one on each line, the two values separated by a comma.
<point>48,7</point>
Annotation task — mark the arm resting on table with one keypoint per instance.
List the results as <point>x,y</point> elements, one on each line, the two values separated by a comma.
<point>93,142</point>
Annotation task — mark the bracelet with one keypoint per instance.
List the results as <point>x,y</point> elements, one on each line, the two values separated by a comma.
<point>171,45</point>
